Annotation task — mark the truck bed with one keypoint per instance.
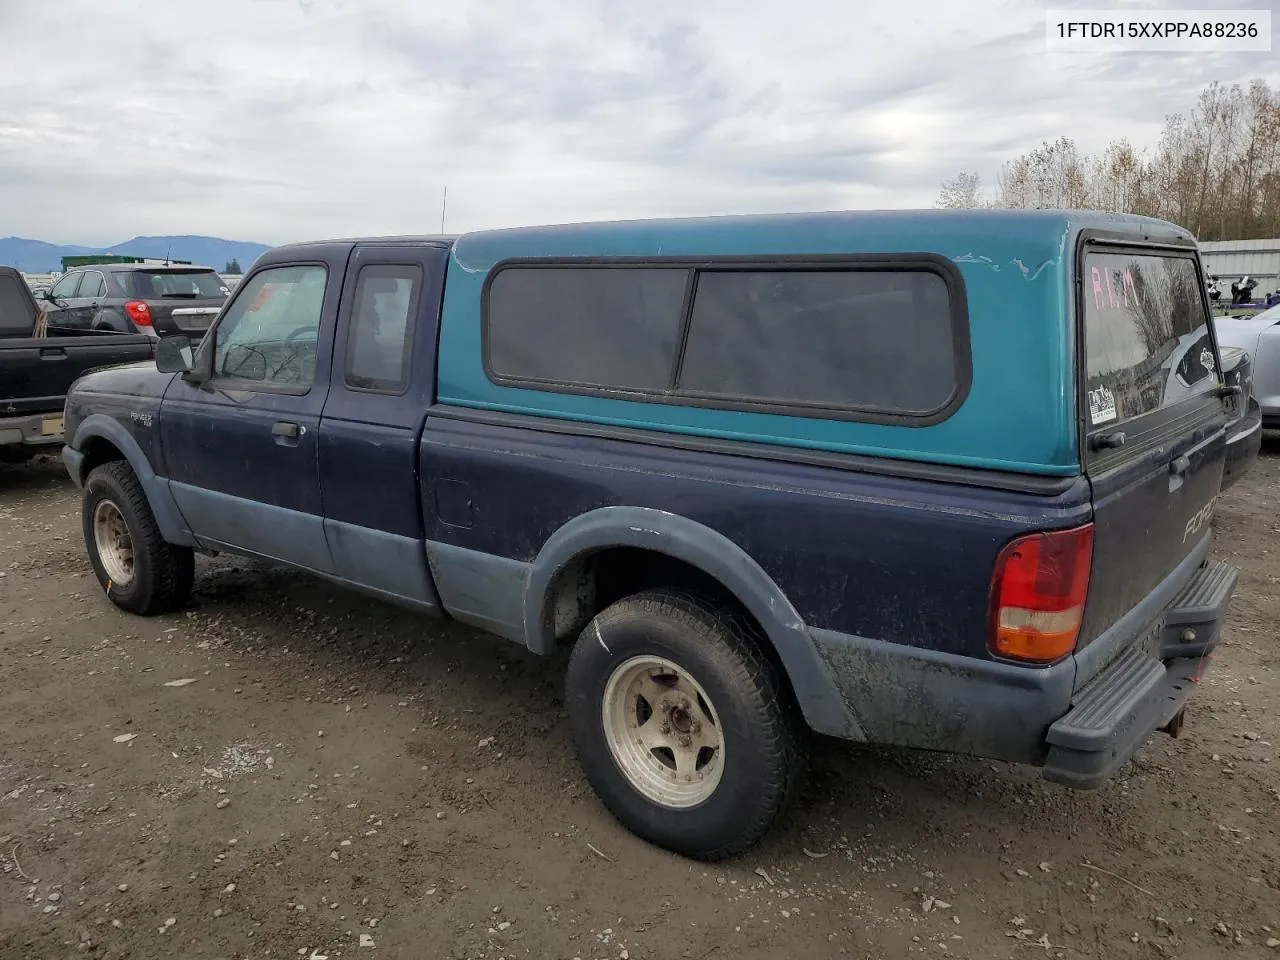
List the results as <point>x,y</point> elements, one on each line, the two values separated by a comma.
<point>35,373</point>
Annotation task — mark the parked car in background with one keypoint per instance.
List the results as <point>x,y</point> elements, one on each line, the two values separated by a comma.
<point>37,365</point>
<point>136,298</point>
<point>1188,364</point>
<point>842,473</point>
<point>1259,336</point>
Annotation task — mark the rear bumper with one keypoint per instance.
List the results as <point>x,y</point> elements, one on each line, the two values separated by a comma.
<point>1244,440</point>
<point>1144,689</point>
<point>1080,719</point>
<point>1270,405</point>
<point>33,430</point>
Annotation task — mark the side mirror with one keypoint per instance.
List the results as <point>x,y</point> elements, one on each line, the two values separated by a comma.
<point>47,296</point>
<point>174,355</point>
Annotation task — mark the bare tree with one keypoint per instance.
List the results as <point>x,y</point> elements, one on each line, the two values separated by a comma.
<point>1053,175</point>
<point>962,192</point>
<point>1215,170</point>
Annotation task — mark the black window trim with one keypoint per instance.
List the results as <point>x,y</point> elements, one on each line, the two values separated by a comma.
<point>933,263</point>
<point>411,329</point>
<point>210,339</point>
<point>1151,429</point>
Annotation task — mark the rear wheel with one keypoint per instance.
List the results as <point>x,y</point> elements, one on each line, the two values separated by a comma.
<point>136,568</point>
<point>682,725</point>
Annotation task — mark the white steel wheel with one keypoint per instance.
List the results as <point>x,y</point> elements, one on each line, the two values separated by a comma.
<point>113,543</point>
<point>663,732</point>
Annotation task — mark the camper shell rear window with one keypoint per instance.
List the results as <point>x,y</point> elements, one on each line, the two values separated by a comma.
<point>1147,337</point>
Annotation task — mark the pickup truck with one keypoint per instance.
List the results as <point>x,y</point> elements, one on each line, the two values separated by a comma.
<point>939,480</point>
<point>38,364</point>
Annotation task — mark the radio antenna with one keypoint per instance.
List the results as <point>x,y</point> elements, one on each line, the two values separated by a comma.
<point>444,205</point>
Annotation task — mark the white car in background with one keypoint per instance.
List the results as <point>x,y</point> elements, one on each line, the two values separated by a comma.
<point>1259,336</point>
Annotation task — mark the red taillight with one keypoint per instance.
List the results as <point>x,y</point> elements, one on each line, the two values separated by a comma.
<point>139,313</point>
<point>1038,592</point>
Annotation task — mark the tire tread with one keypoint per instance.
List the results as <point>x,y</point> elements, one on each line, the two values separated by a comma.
<point>741,655</point>
<point>172,567</point>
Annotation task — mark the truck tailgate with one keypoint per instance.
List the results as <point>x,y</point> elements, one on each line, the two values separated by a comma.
<point>35,373</point>
<point>1154,422</point>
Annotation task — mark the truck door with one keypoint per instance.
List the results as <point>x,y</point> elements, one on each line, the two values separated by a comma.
<point>240,448</point>
<point>381,383</point>
<point>1154,413</point>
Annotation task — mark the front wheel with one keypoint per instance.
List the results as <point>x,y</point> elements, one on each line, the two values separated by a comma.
<point>139,571</point>
<point>683,727</point>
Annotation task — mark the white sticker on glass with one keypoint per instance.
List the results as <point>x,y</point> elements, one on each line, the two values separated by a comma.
<point>1102,406</point>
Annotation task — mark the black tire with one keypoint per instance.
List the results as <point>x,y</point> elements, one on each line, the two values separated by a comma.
<point>162,573</point>
<point>764,739</point>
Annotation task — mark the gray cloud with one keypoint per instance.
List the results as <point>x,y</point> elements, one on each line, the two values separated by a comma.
<point>286,119</point>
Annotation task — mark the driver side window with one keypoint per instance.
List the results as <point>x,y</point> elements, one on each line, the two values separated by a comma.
<point>269,333</point>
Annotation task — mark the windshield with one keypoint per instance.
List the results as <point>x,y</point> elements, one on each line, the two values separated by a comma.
<point>178,284</point>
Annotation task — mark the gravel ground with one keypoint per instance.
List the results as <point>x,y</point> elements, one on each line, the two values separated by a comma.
<point>333,777</point>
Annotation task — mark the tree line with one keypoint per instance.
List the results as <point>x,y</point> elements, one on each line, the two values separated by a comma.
<point>1215,171</point>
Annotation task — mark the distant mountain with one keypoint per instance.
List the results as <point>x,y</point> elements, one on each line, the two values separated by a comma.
<point>36,256</point>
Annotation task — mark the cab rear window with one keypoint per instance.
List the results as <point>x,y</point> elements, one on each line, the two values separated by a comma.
<point>1147,338</point>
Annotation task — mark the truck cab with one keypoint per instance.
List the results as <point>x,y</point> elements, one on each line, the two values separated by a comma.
<point>939,480</point>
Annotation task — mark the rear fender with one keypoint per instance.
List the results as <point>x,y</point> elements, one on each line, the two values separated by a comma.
<point>717,556</point>
<point>112,318</point>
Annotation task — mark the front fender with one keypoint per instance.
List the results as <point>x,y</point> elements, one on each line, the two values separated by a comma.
<point>100,427</point>
<point>717,556</point>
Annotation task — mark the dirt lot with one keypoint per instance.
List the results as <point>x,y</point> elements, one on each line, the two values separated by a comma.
<point>338,771</point>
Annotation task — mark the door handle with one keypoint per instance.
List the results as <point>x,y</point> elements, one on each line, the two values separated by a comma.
<point>1180,466</point>
<point>53,353</point>
<point>291,431</point>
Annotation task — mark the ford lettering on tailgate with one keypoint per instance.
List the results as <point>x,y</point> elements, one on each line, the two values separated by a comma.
<point>1198,519</point>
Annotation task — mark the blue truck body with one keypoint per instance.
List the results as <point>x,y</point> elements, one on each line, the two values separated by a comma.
<point>861,546</point>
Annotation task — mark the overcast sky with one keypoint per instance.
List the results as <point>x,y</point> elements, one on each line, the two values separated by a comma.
<point>279,120</point>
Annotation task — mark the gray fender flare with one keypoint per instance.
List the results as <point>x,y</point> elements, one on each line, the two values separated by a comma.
<point>169,518</point>
<point>717,556</point>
